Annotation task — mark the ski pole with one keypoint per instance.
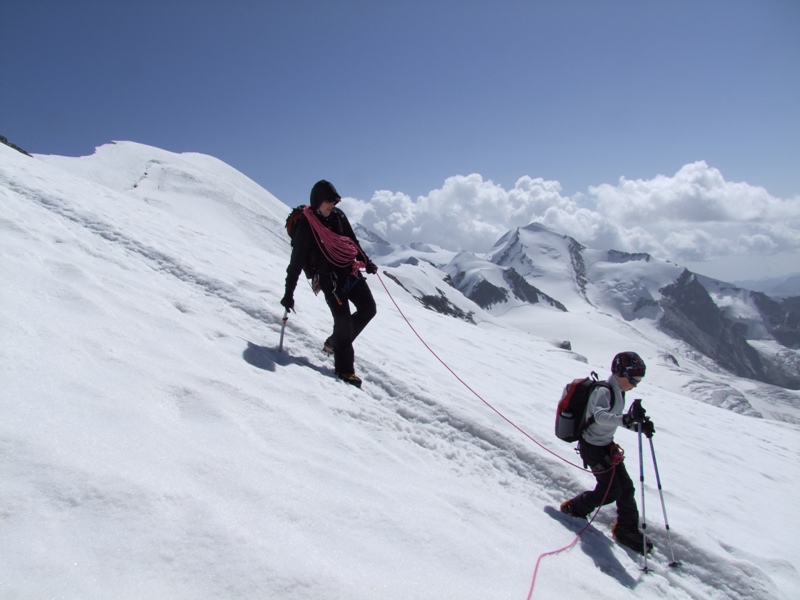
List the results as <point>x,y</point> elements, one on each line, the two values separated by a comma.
<point>641,483</point>
<point>283,327</point>
<point>674,562</point>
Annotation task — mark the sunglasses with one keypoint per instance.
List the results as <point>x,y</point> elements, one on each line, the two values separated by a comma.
<point>634,382</point>
<point>335,201</point>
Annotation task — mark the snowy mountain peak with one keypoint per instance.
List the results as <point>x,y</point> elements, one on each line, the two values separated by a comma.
<point>535,266</point>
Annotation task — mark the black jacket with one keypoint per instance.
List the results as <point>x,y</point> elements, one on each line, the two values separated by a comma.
<point>306,252</point>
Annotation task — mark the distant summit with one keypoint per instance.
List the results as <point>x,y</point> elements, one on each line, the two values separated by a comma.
<point>536,266</point>
<point>5,141</point>
<point>776,287</point>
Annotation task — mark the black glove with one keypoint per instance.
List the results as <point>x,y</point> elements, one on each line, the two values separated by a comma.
<point>635,414</point>
<point>648,428</point>
<point>371,267</point>
<point>288,301</point>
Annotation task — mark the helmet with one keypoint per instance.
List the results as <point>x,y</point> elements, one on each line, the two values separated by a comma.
<point>628,364</point>
<point>322,191</point>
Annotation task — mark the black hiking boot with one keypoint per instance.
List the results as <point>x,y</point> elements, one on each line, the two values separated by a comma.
<point>631,538</point>
<point>350,378</point>
<point>327,347</point>
<point>568,508</point>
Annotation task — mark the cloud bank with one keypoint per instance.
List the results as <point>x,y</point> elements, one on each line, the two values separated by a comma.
<point>692,216</point>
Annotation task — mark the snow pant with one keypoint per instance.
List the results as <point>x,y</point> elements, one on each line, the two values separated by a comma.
<point>615,485</point>
<point>347,325</point>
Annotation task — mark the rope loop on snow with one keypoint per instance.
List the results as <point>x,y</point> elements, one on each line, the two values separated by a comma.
<point>577,537</point>
<point>616,461</point>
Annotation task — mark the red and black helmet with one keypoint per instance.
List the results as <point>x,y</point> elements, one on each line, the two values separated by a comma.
<point>628,364</point>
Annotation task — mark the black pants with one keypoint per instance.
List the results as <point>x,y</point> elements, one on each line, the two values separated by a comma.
<point>616,482</point>
<point>347,325</point>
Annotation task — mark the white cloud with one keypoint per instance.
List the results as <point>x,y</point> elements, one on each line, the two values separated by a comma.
<point>466,212</point>
<point>694,215</point>
<point>758,244</point>
<point>697,193</point>
<point>694,245</point>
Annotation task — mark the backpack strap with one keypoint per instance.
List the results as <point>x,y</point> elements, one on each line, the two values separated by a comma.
<point>591,419</point>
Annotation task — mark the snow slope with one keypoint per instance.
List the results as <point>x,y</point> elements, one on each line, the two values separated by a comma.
<point>155,443</point>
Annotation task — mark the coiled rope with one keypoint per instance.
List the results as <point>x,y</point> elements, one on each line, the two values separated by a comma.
<point>340,250</point>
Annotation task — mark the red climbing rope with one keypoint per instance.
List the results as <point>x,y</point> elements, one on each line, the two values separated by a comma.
<point>477,395</point>
<point>518,428</point>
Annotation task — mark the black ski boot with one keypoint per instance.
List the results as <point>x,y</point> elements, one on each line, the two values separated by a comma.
<point>631,538</point>
<point>568,508</point>
<point>350,378</point>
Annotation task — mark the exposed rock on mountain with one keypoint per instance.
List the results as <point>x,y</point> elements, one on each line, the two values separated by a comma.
<point>524,291</point>
<point>691,315</point>
<point>4,140</point>
<point>782,318</point>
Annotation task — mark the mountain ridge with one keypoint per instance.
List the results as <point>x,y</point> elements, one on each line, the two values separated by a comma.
<point>530,265</point>
<point>534,265</point>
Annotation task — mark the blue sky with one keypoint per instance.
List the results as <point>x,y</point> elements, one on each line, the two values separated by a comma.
<point>402,96</point>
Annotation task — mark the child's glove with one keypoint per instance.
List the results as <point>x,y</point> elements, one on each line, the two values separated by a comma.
<point>635,414</point>
<point>648,428</point>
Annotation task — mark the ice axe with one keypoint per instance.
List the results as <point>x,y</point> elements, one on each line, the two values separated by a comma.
<point>283,328</point>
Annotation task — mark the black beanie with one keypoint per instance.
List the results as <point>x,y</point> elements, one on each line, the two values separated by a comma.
<point>322,191</point>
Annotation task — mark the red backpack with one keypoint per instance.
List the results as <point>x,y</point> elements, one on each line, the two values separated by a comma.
<point>571,419</point>
<point>292,219</point>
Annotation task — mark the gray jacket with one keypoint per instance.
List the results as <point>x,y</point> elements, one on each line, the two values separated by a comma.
<point>606,417</point>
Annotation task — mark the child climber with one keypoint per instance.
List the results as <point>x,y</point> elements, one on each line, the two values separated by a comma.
<point>604,457</point>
